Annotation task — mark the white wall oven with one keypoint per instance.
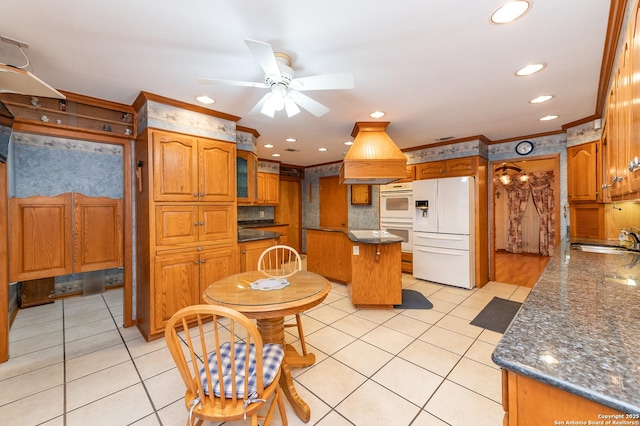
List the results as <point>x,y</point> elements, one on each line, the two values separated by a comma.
<point>396,212</point>
<point>402,228</point>
<point>396,201</point>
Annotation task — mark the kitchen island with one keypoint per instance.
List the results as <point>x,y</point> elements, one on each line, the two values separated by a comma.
<point>368,261</point>
<point>572,353</point>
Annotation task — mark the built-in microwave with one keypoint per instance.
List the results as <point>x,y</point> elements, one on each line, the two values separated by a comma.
<point>396,201</point>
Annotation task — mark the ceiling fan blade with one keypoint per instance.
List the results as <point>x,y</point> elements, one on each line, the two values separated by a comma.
<point>290,106</point>
<point>266,58</point>
<point>257,109</point>
<point>314,107</point>
<point>343,80</point>
<point>232,82</point>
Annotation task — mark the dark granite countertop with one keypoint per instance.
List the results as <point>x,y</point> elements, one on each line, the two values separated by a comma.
<point>325,229</point>
<point>259,224</point>
<point>245,235</point>
<point>373,237</point>
<point>579,328</point>
<point>364,236</point>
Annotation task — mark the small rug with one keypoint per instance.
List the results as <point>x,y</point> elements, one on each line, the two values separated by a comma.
<point>497,315</point>
<point>412,299</point>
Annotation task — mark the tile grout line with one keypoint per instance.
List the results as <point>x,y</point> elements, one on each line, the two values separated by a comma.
<point>64,369</point>
<point>144,386</point>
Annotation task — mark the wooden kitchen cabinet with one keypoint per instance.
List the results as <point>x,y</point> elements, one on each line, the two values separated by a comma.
<point>246,177</point>
<point>376,278</point>
<point>268,188</point>
<point>182,277</point>
<point>329,254</point>
<point>250,252</point>
<point>523,397</point>
<point>41,237</point>
<point>186,222</point>
<point>192,169</point>
<point>466,166</point>
<point>192,225</point>
<point>587,221</point>
<point>583,183</point>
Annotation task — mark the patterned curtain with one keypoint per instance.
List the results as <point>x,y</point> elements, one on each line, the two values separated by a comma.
<point>542,192</point>
<point>518,193</point>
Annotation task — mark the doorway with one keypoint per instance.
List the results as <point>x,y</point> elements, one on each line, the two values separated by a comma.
<point>523,265</point>
<point>289,210</point>
<point>333,203</point>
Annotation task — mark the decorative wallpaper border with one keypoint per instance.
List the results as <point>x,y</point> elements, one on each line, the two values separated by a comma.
<point>54,142</point>
<point>246,142</point>
<point>167,117</point>
<point>445,152</point>
<point>269,167</point>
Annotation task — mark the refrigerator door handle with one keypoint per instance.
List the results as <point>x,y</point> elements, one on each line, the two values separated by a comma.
<point>438,251</point>
<point>444,237</point>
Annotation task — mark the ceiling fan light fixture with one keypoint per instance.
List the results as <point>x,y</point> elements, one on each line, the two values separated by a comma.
<point>510,12</point>
<point>290,106</point>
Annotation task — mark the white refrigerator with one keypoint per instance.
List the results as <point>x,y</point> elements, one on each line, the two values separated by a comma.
<point>444,231</point>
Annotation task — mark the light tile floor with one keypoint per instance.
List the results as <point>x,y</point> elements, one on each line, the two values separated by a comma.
<point>73,364</point>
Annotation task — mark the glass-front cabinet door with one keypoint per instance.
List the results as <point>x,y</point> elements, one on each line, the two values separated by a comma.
<point>246,177</point>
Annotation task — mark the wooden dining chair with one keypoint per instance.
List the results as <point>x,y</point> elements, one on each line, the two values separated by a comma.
<point>229,374</point>
<point>283,261</point>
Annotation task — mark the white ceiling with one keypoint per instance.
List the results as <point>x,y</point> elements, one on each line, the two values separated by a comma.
<point>437,67</point>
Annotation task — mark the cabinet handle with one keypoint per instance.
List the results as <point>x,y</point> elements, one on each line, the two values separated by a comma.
<point>203,261</point>
<point>201,223</point>
<point>202,194</point>
<point>197,262</point>
<point>195,195</point>
<point>195,223</point>
<point>244,252</point>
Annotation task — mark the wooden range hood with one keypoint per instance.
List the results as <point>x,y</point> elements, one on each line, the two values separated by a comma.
<point>373,158</point>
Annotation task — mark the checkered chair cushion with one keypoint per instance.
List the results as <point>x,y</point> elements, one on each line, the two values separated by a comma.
<point>272,355</point>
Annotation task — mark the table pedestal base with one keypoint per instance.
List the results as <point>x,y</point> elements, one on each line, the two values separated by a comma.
<point>272,331</point>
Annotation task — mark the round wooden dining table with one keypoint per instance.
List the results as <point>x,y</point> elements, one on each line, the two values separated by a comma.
<point>269,307</point>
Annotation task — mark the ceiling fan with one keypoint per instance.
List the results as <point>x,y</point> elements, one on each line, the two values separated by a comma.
<point>285,88</point>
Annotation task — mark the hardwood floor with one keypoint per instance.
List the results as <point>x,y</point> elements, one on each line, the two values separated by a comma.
<point>521,269</point>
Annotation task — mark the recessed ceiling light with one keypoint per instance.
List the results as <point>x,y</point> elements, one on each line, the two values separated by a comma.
<point>205,99</point>
<point>530,69</point>
<point>548,117</point>
<point>322,149</point>
<point>510,12</point>
<point>348,143</point>
<point>377,114</point>
<point>268,145</point>
<point>290,139</point>
<point>275,155</point>
<point>540,99</point>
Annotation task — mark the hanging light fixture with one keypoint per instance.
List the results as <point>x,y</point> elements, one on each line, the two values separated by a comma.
<point>506,172</point>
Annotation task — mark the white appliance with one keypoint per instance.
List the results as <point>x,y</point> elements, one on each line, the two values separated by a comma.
<point>396,201</point>
<point>402,228</point>
<point>396,212</point>
<point>444,231</point>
